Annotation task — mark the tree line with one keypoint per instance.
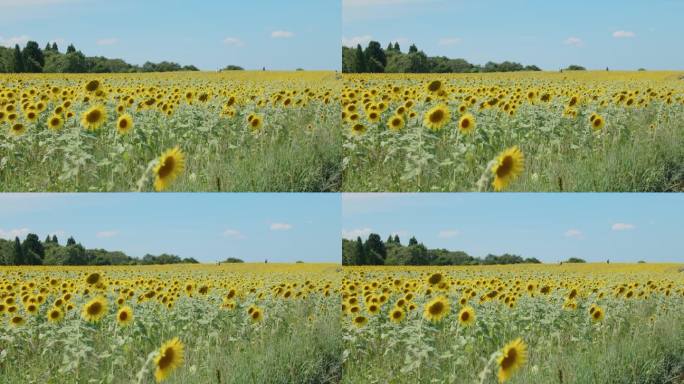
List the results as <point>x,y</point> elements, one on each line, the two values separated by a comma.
<point>32,59</point>
<point>32,251</point>
<point>375,59</point>
<point>374,251</point>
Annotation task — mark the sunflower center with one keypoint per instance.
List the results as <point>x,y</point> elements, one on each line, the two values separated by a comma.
<point>597,314</point>
<point>123,124</point>
<point>509,360</point>
<point>396,314</point>
<point>123,316</point>
<point>465,316</point>
<point>94,308</point>
<point>505,168</point>
<point>93,278</point>
<point>434,279</point>
<point>54,314</point>
<point>597,122</point>
<point>434,86</point>
<point>16,320</point>
<point>167,359</point>
<point>54,122</point>
<point>465,123</point>
<point>255,315</point>
<point>92,85</point>
<point>436,308</point>
<point>167,168</point>
<point>436,116</point>
<point>94,116</point>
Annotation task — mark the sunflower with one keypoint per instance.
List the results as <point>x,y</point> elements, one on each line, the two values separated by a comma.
<point>93,86</point>
<point>55,314</point>
<point>434,87</point>
<point>17,321</point>
<point>466,124</point>
<point>124,316</point>
<point>397,315</point>
<point>94,310</point>
<point>436,309</point>
<point>168,168</point>
<point>396,123</point>
<point>255,123</point>
<point>124,124</point>
<point>170,357</point>
<point>17,129</point>
<point>358,129</point>
<point>256,315</point>
<point>360,321</point>
<point>94,117</point>
<point>437,117</point>
<point>507,167</point>
<point>513,356</point>
<point>597,122</point>
<point>55,122</point>
<point>466,316</point>
<point>597,314</point>
<point>93,278</point>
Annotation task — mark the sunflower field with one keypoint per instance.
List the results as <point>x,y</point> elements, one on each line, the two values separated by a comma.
<point>236,323</point>
<point>228,131</point>
<point>571,323</point>
<point>525,131</point>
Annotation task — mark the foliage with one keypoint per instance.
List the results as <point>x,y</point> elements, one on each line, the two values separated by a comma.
<point>374,59</point>
<point>391,252</point>
<point>32,59</point>
<point>49,252</point>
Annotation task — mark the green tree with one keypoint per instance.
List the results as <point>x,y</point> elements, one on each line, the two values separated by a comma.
<point>34,60</point>
<point>75,62</point>
<point>376,60</point>
<point>359,60</point>
<point>17,61</point>
<point>375,250</point>
<point>17,253</point>
<point>361,258</point>
<point>413,241</point>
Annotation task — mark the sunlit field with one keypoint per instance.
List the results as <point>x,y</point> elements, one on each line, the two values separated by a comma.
<point>229,131</point>
<point>530,131</point>
<point>588,323</point>
<point>244,323</point>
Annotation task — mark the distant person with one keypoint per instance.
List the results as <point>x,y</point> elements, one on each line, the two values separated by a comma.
<point>265,261</point>
<point>608,261</point>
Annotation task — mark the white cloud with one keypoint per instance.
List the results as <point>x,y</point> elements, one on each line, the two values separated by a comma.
<point>106,234</point>
<point>281,227</point>
<point>622,227</point>
<point>356,40</point>
<point>450,40</point>
<point>448,233</point>
<point>282,34</point>
<point>574,233</point>
<point>623,34</point>
<point>10,42</point>
<point>233,233</point>
<point>354,233</point>
<point>108,41</point>
<point>12,233</point>
<point>574,41</point>
<point>233,41</point>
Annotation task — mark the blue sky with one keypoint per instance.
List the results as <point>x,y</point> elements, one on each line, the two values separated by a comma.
<point>208,227</point>
<point>620,34</point>
<point>551,227</point>
<point>210,34</point>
